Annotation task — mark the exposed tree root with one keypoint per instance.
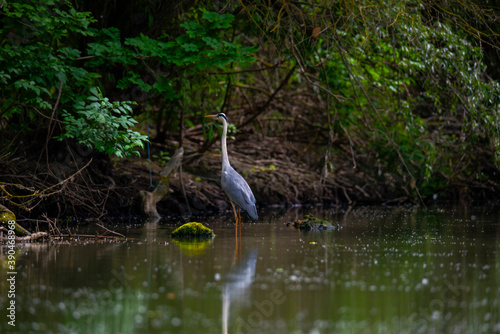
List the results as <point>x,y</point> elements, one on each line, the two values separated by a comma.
<point>150,199</point>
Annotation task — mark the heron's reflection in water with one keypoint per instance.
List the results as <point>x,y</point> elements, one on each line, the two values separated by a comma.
<point>236,289</point>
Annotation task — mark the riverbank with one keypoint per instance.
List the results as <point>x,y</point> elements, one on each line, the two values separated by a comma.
<point>77,182</point>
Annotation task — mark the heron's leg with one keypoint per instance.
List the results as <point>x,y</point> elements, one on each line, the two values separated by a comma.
<point>239,219</point>
<point>239,237</point>
<point>235,218</point>
<point>237,241</point>
<point>235,214</point>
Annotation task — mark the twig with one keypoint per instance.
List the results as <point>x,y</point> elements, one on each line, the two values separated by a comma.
<point>268,102</point>
<point>90,236</point>
<point>50,128</point>
<point>52,224</point>
<point>40,194</point>
<point>110,231</point>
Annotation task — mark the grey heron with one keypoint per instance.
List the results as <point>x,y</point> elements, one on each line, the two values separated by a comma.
<point>234,185</point>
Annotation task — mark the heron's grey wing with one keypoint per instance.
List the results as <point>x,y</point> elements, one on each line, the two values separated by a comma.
<point>238,191</point>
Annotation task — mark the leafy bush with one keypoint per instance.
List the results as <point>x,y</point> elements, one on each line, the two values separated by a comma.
<point>44,69</point>
<point>37,55</point>
<point>416,95</point>
<point>175,70</point>
<point>40,70</point>
<point>103,125</point>
<point>403,86</point>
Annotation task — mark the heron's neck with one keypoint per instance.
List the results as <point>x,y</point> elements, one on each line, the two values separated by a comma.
<point>225,160</point>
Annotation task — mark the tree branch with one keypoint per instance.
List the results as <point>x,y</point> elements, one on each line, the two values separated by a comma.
<point>263,108</point>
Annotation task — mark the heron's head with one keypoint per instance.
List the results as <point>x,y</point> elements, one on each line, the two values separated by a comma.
<point>220,116</point>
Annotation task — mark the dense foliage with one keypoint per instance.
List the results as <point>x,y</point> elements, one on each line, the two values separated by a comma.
<point>403,84</point>
<point>41,73</point>
<point>44,56</point>
<point>382,100</point>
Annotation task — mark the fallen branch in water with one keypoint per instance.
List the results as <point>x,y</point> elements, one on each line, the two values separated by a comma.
<point>57,233</point>
<point>44,235</point>
<point>110,231</point>
<point>31,237</point>
<point>89,236</point>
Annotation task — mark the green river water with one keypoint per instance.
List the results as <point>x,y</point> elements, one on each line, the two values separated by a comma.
<point>384,270</point>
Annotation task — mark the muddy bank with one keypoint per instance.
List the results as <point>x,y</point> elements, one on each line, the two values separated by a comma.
<point>79,183</point>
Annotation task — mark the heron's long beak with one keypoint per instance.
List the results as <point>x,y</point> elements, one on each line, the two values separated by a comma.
<point>211,116</point>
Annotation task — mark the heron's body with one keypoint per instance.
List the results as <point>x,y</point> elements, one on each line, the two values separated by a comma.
<point>234,185</point>
<point>238,191</point>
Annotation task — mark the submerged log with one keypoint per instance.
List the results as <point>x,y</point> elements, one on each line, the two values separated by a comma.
<point>32,237</point>
<point>6,219</point>
<point>312,223</point>
<point>150,199</point>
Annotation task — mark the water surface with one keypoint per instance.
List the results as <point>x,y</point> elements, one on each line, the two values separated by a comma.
<point>384,270</point>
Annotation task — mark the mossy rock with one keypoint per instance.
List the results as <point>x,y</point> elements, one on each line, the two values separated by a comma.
<point>192,230</point>
<point>311,223</point>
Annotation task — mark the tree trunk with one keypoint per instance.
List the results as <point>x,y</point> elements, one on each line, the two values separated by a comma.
<point>7,216</point>
<point>150,199</point>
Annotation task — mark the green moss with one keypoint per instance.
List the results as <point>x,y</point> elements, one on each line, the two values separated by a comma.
<point>192,230</point>
<point>6,216</point>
